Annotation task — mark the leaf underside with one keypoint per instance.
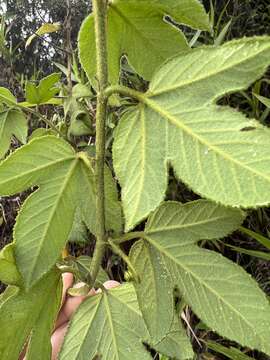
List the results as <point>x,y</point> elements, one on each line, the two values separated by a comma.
<point>108,325</point>
<point>206,144</point>
<point>21,313</point>
<point>66,182</point>
<point>135,29</point>
<point>212,285</point>
<point>12,122</point>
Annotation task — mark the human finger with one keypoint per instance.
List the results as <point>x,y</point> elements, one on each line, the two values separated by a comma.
<point>70,306</point>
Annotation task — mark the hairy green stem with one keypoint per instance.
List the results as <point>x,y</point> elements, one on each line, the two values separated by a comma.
<point>100,17</point>
<point>122,90</point>
<point>129,236</point>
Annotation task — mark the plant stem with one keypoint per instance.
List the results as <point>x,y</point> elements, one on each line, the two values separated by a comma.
<point>100,17</point>
<point>129,236</point>
<point>123,90</point>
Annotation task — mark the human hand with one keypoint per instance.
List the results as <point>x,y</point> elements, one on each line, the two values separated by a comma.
<point>69,306</point>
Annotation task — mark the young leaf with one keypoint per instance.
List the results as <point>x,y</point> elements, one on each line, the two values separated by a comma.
<point>20,312</point>
<point>44,91</point>
<point>231,352</point>
<point>108,325</point>
<point>206,144</point>
<point>7,97</point>
<point>265,101</point>
<point>114,219</point>
<point>171,223</point>
<point>147,36</point>
<point>46,28</point>
<point>12,122</point>
<point>214,287</point>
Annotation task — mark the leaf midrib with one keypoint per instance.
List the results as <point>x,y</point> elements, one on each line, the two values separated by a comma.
<point>60,195</point>
<point>206,76</point>
<point>180,125</point>
<point>188,270</point>
<point>136,30</point>
<point>183,226</point>
<point>109,317</point>
<point>37,169</point>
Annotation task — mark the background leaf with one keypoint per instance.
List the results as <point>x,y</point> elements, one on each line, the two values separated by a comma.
<point>12,122</point>
<point>46,28</point>
<point>44,91</point>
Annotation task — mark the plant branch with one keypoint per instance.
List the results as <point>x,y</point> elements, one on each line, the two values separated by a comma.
<point>100,18</point>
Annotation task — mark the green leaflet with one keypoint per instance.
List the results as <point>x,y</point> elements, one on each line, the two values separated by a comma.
<point>109,325</point>
<point>40,340</point>
<point>206,144</point>
<point>134,30</point>
<point>176,344</point>
<point>173,224</point>
<point>12,122</point>
<point>44,91</point>
<point>155,297</point>
<point>20,314</point>
<point>231,352</point>
<point>188,12</point>
<point>213,286</point>
<point>154,290</point>
<point>193,221</point>
<point>114,219</point>
<point>43,225</point>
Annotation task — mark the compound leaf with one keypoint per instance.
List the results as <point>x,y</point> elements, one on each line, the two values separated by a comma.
<point>45,91</point>
<point>206,144</point>
<point>45,220</point>
<point>107,325</point>
<point>134,30</point>
<point>20,313</point>
<point>214,287</point>
<point>171,223</point>
<point>12,122</point>
<point>66,182</point>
